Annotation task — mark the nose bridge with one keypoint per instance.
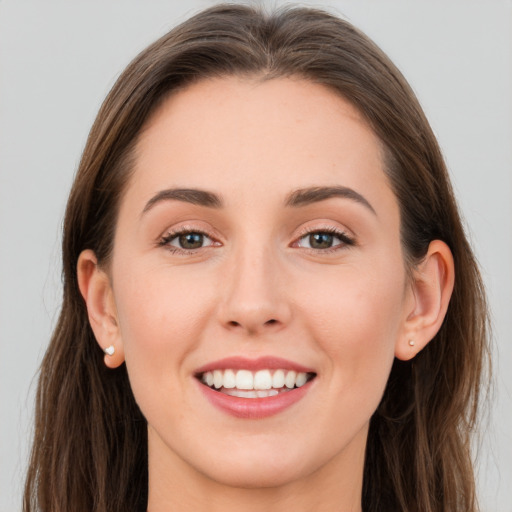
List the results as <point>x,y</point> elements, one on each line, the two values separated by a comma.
<point>254,299</point>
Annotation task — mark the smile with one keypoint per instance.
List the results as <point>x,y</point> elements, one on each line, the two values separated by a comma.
<point>260,384</point>
<point>254,388</point>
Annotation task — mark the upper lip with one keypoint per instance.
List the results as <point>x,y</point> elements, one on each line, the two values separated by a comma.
<point>261,363</point>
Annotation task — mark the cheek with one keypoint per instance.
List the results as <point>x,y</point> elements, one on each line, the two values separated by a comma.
<point>162,322</point>
<point>161,317</point>
<point>356,318</point>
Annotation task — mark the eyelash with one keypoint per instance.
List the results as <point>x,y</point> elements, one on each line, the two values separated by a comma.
<point>170,236</point>
<point>345,240</point>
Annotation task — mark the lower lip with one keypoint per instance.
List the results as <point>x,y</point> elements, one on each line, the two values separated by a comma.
<point>254,408</point>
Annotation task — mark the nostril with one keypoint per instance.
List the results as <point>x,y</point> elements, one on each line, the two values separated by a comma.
<point>252,325</point>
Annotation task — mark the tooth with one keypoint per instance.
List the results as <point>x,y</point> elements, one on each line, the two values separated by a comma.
<point>262,380</point>
<point>264,393</point>
<point>241,393</point>
<point>217,378</point>
<point>278,379</point>
<point>301,379</point>
<point>244,379</point>
<point>229,379</point>
<point>290,379</point>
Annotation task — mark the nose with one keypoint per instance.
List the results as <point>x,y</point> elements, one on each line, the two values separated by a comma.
<point>254,299</point>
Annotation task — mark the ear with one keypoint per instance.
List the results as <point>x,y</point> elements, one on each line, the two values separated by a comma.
<point>428,299</point>
<point>97,292</point>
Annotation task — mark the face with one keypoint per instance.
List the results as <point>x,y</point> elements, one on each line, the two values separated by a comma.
<point>258,246</point>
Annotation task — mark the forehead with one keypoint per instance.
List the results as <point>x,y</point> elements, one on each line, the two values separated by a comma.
<point>247,138</point>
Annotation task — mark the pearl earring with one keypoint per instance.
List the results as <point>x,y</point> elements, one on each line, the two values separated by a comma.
<point>411,343</point>
<point>109,350</point>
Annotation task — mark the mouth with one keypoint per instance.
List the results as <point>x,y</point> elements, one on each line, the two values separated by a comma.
<point>254,388</point>
<point>263,383</point>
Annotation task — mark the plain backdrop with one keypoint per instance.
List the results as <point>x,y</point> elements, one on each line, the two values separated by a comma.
<point>58,59</point>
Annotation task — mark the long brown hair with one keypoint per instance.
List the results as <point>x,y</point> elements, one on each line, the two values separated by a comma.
<point>90,445</point>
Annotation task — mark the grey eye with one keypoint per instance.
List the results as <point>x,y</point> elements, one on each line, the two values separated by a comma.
<point>320,240</point>
<point>191,240</point>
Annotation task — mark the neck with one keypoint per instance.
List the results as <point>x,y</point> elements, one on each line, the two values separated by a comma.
<point>334,487</point>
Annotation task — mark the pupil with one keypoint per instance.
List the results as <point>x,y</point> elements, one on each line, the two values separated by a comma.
<point>191,240</point>
<point>320,240</point>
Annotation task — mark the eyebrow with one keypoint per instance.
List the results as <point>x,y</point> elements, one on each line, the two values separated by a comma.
<point>298,198</point>
<point>187,195</point>
<point>306,196</point>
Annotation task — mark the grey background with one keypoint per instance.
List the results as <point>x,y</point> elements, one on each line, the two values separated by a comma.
<point>58,59</point>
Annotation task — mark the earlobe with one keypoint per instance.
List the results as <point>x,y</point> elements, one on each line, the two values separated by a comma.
<point>96,290</point>
<point>431,289</point>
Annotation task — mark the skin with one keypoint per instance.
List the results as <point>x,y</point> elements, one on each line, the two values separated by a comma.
<point>257,289</point>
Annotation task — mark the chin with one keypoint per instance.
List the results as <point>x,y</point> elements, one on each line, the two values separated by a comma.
<point>269,463</point>
<point>257,475</point>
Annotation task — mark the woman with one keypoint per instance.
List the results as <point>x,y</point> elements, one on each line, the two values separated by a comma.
<point>269,301</point>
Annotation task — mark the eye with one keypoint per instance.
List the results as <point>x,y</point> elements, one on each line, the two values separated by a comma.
<point>186,240</point>
<point>324,239</point>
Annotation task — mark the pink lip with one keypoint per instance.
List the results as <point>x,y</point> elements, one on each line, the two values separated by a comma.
<point>254,408</point>
<point>261,363</point>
